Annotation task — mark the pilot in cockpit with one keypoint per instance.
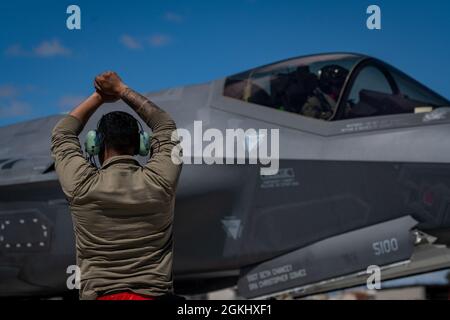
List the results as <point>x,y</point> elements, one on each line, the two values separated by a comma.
<point>322,103</point>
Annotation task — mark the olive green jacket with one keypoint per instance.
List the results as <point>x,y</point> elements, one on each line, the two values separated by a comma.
<point>122,212</point>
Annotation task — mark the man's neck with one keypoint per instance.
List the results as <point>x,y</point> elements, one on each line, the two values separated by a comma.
<point>109,153</point>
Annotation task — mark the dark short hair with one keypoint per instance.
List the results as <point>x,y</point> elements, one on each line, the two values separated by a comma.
<point>119,131</point>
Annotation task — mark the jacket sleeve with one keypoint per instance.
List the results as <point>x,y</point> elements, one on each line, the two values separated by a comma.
<point>164,165</point>
<point>72,168</point>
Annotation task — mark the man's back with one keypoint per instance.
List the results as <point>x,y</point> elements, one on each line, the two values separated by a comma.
<point>123,226</point>
<point>122,212</point>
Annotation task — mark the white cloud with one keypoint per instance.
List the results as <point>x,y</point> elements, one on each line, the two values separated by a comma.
<point>130,42</point>
<point>14,109</point>
<point>159,40</point>
<point>10,104</point>
<point>156,40</point>
<point>16,50</point>
<point>49,48</point>
<point>173,17</point>
<point>70,101</point>
<point>8,91</point>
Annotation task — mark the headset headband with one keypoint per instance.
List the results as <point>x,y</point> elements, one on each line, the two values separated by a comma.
<point>95,140</point>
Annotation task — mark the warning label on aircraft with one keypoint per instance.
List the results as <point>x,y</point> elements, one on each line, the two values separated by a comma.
<point>284,178</point>
<point>270,277</point>
<point>330,258</point>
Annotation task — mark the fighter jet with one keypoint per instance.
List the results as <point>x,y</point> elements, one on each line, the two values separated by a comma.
<point>363,183</point>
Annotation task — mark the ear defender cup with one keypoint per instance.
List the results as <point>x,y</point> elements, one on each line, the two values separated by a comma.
<point>92,143</point>
<point>144,143</point>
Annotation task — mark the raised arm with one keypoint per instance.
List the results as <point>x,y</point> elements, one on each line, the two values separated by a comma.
<point>87,108</point>
<point>160,168</point>
<point>157,119</point>
<point>70,165</point>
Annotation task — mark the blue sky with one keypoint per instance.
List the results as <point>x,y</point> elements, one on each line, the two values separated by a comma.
<point>46,68</point>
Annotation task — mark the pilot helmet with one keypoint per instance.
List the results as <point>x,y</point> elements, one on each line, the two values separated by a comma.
<point>332,76</point>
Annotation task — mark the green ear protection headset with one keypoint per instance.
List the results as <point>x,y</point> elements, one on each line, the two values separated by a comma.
<point>94,141</point>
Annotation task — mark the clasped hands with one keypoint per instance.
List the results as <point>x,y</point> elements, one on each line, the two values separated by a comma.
<point>109,86</point>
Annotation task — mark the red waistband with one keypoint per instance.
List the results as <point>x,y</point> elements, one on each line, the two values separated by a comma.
<point>125,296</point>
